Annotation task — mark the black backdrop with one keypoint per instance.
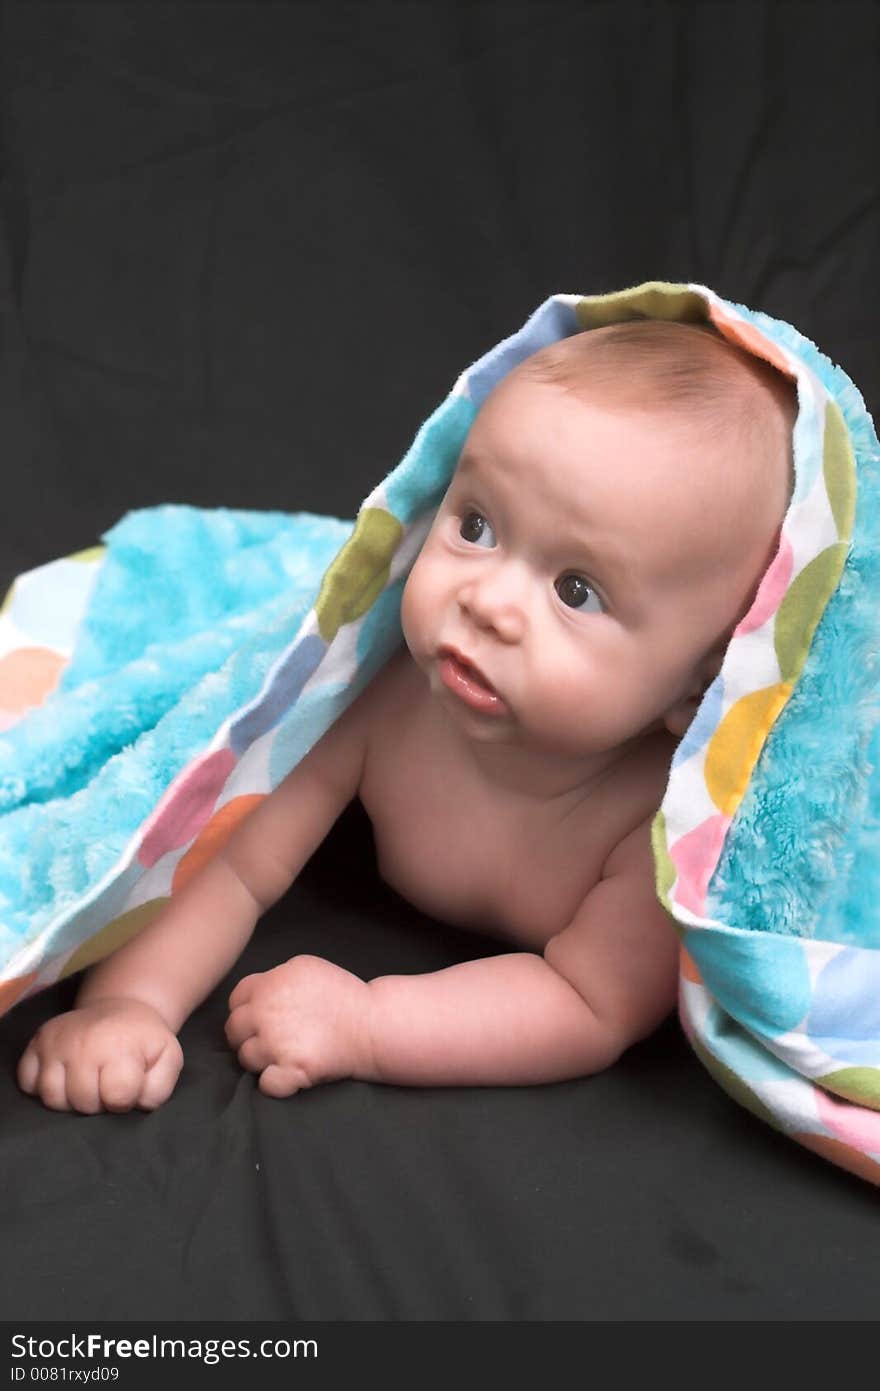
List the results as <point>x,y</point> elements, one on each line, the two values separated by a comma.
<point>244,250</point>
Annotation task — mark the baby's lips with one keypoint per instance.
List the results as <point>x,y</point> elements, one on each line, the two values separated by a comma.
<point>469,666</point>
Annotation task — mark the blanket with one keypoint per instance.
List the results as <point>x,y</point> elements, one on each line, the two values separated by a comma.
<point>154,688</point>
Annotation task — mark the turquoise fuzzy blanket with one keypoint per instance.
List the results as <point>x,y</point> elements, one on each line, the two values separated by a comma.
<point>155,688</point>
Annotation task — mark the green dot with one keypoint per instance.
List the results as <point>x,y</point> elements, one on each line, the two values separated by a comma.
<point>840,471</point>
<point>859,1084</point>
<point>360,571</point>
<point>664,869</point>
<point>803,606</point>
<point>655,299</point>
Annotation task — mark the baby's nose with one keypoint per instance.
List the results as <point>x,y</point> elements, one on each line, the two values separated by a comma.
<point>488,605</point>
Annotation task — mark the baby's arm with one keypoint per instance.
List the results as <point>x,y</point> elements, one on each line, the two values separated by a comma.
<point>605,981</point>
<point>118,1047</point>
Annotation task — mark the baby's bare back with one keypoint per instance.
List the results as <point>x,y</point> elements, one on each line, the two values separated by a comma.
<point>471,854</point>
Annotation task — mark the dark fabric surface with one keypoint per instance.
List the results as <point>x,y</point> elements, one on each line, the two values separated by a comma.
<point>244,251</point>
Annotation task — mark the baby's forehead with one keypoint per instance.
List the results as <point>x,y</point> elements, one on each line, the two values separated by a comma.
<point>649,527</point>
<point>610,448</point>
<point>683,489</point>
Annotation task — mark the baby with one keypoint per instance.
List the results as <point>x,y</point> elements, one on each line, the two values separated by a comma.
<point>616,502</point>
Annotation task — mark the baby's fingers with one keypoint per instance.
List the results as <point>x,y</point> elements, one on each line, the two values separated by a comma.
<point>130,1080</point>
<point>28,1071</point>
<point>242,992</point>
<point>280,1079</point>
<point>253,1055</point>
<point>45,1078</point>
<point>161,1077</point>
<point>240,1026</point>
<point>121,1080</point>
<point>81,1085</point>
<point>51,1085</point>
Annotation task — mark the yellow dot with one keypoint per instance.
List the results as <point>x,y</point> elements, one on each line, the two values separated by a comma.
<point>737,742</point>
<point>114,935</point>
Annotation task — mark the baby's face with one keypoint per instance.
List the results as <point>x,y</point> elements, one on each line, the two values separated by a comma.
<point>591,563</point>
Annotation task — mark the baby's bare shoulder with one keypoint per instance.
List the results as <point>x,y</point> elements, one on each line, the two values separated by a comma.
<point>642,793</point>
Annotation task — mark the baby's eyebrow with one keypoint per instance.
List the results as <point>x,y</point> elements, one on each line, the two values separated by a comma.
<point>609,563</point>
<point>466,464</point>
<point>605,552</point>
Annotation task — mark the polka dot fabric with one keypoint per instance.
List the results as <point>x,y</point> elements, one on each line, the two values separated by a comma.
<point>777,995</point>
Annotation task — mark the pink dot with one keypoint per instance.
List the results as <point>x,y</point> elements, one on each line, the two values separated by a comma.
<point>771,590</point>
<point>186,806</point>
<point>695,856</point>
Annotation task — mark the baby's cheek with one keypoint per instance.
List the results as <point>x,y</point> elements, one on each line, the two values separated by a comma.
<point>412,607</point>
<point>575,700</point>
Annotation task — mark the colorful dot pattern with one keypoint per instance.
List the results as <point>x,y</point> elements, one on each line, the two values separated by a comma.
<point>788,1024</point>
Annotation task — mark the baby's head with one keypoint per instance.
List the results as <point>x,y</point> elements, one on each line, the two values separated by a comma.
<point>615,506</point>
<point>725,499</point>
<point>691,379</point>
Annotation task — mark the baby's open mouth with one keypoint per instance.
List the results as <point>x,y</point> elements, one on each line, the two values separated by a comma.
<point>468,683</point>
<point>468,669</point>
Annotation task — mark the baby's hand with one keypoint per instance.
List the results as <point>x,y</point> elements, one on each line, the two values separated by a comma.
<point>303,1022</point>
<point>107,1056</point>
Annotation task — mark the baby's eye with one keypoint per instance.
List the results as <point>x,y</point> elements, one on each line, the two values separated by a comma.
<point>476,529</point>
<point>575,592</point>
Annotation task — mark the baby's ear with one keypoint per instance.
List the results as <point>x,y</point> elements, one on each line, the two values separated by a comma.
<point>680,716</point>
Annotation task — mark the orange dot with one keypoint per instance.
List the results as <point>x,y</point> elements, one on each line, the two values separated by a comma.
<point>844,1155</point>
<point>213,837</point>
<point>12,990</point>
<point>689,967</point>
<point>27,675</point>
<point>749,337</point>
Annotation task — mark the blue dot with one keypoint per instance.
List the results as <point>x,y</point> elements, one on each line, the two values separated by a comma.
<point>844,1018</point>
<point>760,979</point>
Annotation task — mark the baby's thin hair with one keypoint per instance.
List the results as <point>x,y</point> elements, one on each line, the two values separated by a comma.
<point>681,369</point>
